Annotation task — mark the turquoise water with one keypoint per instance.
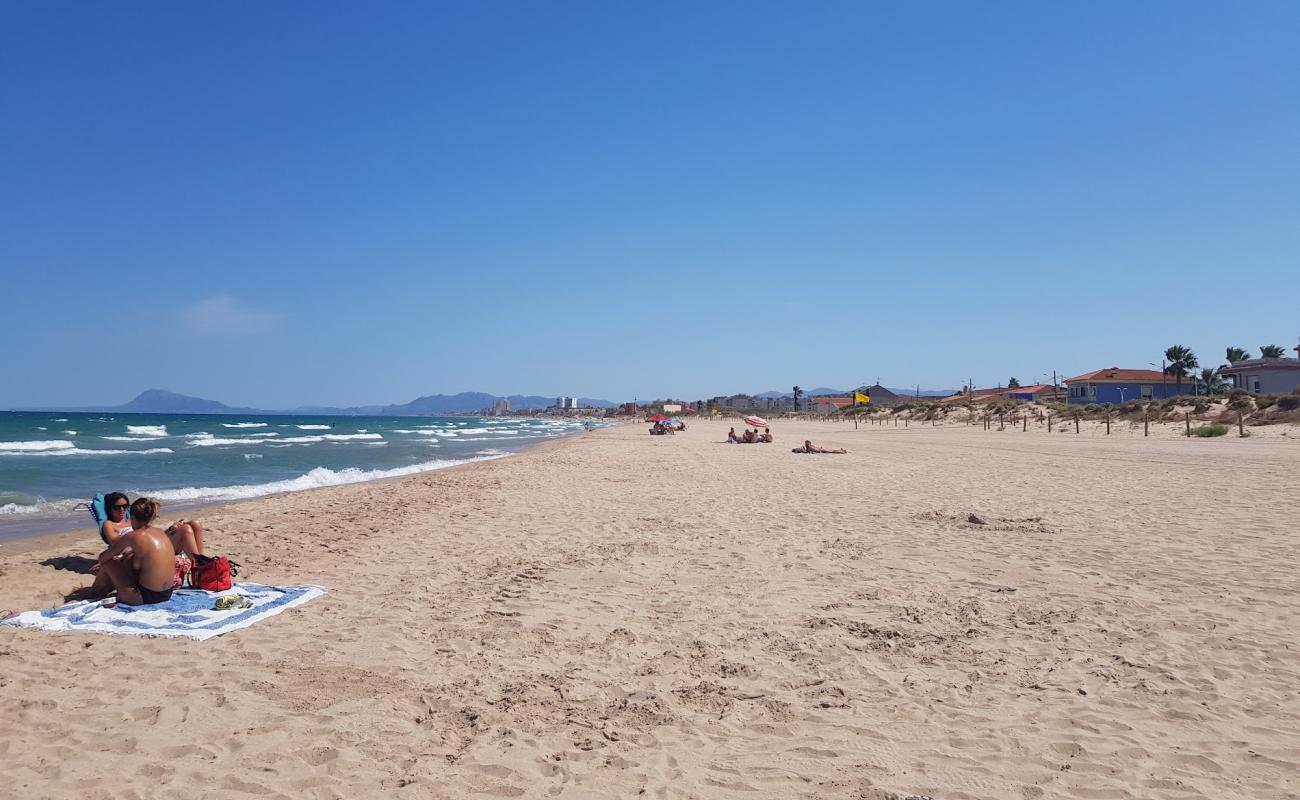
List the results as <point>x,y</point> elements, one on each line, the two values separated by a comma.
<point>49,462</point>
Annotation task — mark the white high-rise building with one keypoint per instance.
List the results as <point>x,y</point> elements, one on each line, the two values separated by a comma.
<point>565,403</point>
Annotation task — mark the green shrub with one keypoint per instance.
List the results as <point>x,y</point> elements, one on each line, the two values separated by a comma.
<point>1263,401</point>
<point>1289,403</point>
<point>1207,431</point>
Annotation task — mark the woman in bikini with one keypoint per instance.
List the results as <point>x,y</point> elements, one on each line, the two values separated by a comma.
<point>143,576</point>
<point>186,535</point>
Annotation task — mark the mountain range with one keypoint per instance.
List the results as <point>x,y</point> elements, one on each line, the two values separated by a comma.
<point>158,401</point>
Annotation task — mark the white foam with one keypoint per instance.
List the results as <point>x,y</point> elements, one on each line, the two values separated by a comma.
<point>272,433</point>
<point>251,456</point>
<point>147,430</point>
<point>69,433</point>
<point>61,419</point>
<point>315,479</point>
<point>314,427</point>
<point>208,440</point>
<point>77,451</point>
<point>32,447</point>
<point>15,508</point>
<point>243,424</point>
<point>41,428</point>
<point>341,437</point>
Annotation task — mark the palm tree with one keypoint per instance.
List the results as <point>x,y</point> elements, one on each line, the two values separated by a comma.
<point>1272,351</point>
<point>1236,354</point>
<point>1211,381</point>
<point>1181,363</point>
<point>797,394</point>
<point>1013,384</point>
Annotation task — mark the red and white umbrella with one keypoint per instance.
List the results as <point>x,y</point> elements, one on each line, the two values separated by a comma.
<point>757,422</point>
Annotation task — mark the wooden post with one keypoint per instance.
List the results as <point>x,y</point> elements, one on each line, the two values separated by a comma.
<point>1049,422</point>
<point>1187,416</point>
<point>1076,424</point>
<point>1108,423</point>
<point>855,422</point>
<point>1025,420</point>
<point>1241,428</point>
<point>1002,421</point>
<point>1146,423</point>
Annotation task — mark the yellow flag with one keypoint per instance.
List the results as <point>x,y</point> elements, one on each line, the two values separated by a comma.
<point>860,398</point>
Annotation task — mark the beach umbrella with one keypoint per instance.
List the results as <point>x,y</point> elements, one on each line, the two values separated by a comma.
<point>757,422</point>
<point>656,418</point>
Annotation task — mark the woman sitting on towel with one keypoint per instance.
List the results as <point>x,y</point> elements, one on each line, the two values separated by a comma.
<point>144,577</point>
<point>186,535</point>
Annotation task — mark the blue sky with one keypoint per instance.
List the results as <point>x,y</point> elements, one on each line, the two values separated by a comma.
<point>276,204</point>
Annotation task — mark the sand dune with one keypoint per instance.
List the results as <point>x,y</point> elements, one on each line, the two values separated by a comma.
<point>619,615</point>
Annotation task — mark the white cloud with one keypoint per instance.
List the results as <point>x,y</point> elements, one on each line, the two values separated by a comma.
<point>224,314</point>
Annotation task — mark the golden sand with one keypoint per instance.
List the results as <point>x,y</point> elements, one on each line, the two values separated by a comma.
<point>619,615</point>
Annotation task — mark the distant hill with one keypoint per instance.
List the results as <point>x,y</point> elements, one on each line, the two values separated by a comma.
<point>159,401</point>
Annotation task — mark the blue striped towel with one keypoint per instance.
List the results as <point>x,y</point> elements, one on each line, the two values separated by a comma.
<point>189,613</point>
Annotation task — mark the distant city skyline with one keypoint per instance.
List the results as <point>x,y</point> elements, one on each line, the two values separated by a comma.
<point>615,201</point>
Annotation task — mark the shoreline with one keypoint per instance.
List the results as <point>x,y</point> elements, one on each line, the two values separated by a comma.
<point>22,528</point>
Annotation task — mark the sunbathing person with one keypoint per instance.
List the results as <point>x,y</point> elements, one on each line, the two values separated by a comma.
<point>809,447</point>
<point>748,437</point>
<point>186,535</point>
<point>767,436</point>
<point>147,575</point>
<point>118,522</point>
<point>732,438</point>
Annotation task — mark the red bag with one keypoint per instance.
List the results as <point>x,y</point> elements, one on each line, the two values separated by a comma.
<point>212,574</point>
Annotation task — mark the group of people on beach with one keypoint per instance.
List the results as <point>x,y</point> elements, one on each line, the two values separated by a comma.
<point>750,436</point>
<point>667,428</point>
<point>143,563</point>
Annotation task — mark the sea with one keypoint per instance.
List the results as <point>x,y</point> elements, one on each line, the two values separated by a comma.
<point>52,462</point>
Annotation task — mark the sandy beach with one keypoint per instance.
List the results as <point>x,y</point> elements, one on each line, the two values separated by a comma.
<point>619,615</point>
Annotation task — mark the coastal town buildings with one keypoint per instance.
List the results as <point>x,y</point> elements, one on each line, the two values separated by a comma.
<point>1265,375</point>
<point>1116,385</point>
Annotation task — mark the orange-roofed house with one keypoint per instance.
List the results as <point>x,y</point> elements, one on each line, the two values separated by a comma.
<point>1115,385</point>
<point>824,405</point>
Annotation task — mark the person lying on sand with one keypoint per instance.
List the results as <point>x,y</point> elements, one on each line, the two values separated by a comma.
<point>809,447</point>
<point>748,438</point>
<point>147,575</point>
<point>767,436</point>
